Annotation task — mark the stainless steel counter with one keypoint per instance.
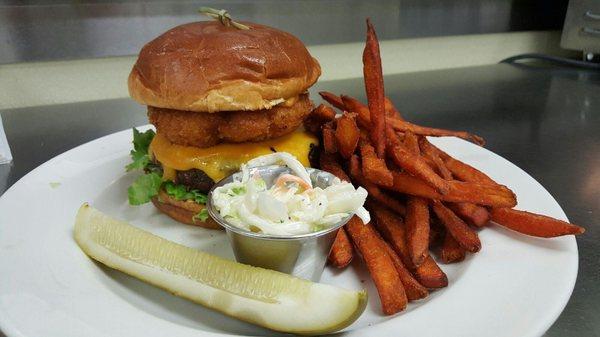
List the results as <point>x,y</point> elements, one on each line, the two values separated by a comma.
<point>545,120</point>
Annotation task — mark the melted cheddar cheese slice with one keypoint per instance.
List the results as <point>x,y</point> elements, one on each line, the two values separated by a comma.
<point>222,160</point>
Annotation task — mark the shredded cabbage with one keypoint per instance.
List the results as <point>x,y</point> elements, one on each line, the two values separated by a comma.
<point>292,205</point>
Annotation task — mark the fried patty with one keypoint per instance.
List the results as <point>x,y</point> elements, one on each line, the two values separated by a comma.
<point>208,129</point>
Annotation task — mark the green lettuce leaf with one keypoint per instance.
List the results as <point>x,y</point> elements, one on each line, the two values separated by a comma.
<point>139,154</point>
<point>180,192</point>
<point>144,188</point>
<point>202,216</point>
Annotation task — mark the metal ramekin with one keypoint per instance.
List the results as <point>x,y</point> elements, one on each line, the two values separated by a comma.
<point>303,255</point>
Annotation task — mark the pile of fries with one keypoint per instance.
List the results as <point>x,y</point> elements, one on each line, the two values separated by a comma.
<point>421,199</point>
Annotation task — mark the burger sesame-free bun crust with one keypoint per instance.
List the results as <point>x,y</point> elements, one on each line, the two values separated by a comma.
<point>205,130</point>
<point>182,211</point>
<point>208,67</point>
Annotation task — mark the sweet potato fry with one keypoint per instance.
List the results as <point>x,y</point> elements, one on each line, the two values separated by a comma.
<point>347,135</point>
<point>373,76</point>
<point>403,126</point>
<point>414,290</point>
<point>414,164</point>
<point>386,200</point>
<point>364,137</point>
<point>488,195</point>
<point>333,99</point>
<point>429,152</point>
<point>417,229</point>
<point>355,170</point>
<point>436,233</point>
<point>460,231</point>
<point>375,193</point>
<point>328,163</point>
<point>459,169</point>
<point>391,111</point>
<point>353,105</point>
<point>411,142</point>
<point>374,168</point>
<point>430,275</point>
<point>473,214</point>
<point>329,143</point>
<point>341,253</point>
<point>533,224</point>
<point>466,172</point>
<point>364,120</point>
<point>317,117</point>
<point>451,251</point>
<point>391,227</point>
<point>380,265</point>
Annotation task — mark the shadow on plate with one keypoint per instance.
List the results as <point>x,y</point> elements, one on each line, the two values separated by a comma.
<point>166,306</point>
<point>544,243</point>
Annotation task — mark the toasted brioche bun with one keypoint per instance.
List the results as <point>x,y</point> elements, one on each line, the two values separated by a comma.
<point>208,67</point>
<point>182,211</point>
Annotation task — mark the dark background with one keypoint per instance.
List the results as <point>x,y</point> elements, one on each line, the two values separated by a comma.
<point>52,30</point>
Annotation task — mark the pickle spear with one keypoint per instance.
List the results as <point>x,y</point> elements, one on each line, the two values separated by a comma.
<point>260,296</point>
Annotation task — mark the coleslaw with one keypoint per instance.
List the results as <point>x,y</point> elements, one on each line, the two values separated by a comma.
<point>291,206</point>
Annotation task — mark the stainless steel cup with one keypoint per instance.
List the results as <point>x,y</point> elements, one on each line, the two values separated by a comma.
<point>303,255</point>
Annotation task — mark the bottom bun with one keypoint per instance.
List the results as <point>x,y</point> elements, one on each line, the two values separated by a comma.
<point>182,211</point>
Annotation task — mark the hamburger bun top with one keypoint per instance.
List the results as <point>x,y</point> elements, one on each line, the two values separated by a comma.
<point>209,67</point>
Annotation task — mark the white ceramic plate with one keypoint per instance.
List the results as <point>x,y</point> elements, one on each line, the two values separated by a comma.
<point>516,285</point>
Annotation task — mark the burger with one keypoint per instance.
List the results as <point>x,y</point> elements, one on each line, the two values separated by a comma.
<point>218,96</point>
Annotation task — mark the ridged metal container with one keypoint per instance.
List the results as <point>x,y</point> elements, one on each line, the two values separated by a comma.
<point>303,255</point>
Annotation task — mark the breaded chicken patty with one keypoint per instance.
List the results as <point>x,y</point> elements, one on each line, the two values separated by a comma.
<point>208,129</point>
